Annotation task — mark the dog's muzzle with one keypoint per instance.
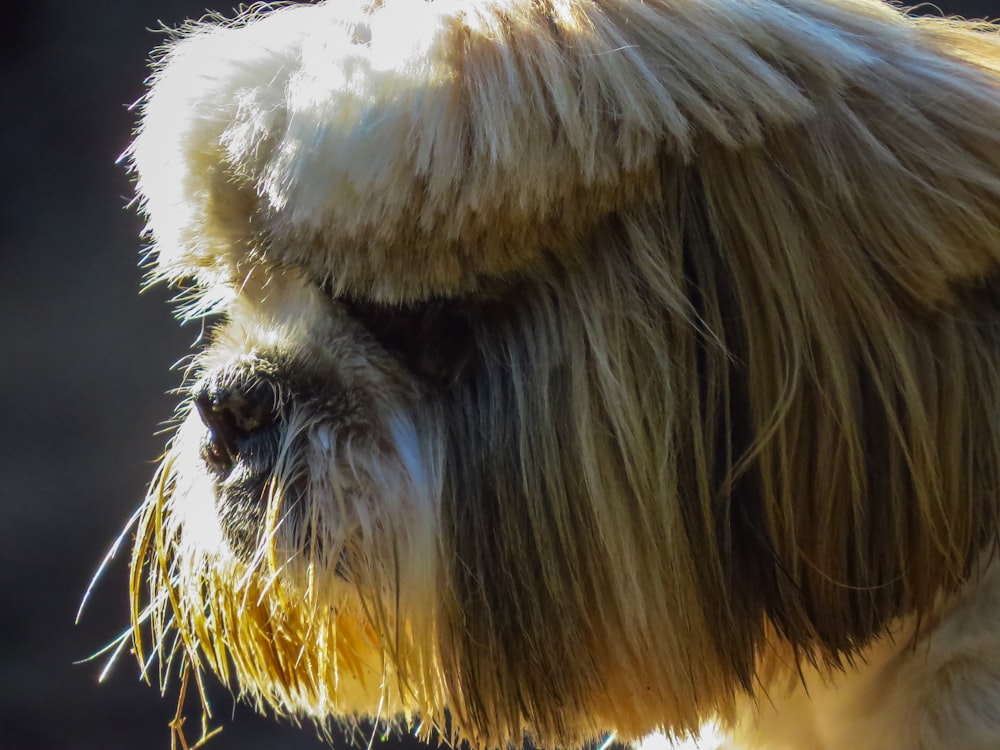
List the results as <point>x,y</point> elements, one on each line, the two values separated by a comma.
<point>242,412</point>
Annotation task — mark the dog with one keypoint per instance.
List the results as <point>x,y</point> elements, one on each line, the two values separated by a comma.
<point>583,368</point>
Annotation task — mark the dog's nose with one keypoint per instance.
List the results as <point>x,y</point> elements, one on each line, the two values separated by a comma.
<point>234,414</point>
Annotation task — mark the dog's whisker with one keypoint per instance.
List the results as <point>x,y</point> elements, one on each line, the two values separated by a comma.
<point>106,560</point>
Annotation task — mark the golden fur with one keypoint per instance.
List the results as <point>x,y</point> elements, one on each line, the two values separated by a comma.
<point>623,362</point>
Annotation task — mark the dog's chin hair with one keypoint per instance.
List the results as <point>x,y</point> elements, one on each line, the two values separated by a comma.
<point>302,634</point>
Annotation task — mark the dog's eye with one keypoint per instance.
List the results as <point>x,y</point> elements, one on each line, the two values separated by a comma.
<point>434,339</point>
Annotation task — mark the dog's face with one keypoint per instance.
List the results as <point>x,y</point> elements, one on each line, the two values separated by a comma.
<point>302,497</point>
<point>560,375</point>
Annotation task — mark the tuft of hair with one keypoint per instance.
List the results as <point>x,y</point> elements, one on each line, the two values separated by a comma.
<point>729,271</point>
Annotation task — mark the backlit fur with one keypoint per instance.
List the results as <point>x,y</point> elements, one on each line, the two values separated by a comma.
<point>636,365</point>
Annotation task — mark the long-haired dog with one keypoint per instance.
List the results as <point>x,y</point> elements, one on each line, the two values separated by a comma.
<point>584,366</point>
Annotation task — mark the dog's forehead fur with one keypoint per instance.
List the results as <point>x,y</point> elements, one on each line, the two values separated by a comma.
<point>462,139</point>
<point>627,356</point>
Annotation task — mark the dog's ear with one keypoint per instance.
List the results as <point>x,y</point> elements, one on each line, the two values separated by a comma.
<point>403,149</point>
<point>849,265</point>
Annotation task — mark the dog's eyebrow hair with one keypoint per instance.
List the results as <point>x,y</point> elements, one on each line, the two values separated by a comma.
<point>433,338</point>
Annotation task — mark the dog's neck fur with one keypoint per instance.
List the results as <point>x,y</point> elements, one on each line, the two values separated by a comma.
<point>927,684</point>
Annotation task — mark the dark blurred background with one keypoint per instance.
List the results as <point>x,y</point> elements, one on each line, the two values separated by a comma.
<point>85,363</point>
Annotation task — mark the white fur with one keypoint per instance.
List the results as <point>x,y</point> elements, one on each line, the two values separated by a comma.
<point>936,691</point>
<point>330,127</point>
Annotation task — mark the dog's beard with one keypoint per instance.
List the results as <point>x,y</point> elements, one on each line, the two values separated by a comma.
<point>301,565</point>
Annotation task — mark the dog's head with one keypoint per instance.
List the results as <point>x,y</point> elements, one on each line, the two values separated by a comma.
<point>569,356</point>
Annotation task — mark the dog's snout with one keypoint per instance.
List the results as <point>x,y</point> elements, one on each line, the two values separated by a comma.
<point>234,414</point>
